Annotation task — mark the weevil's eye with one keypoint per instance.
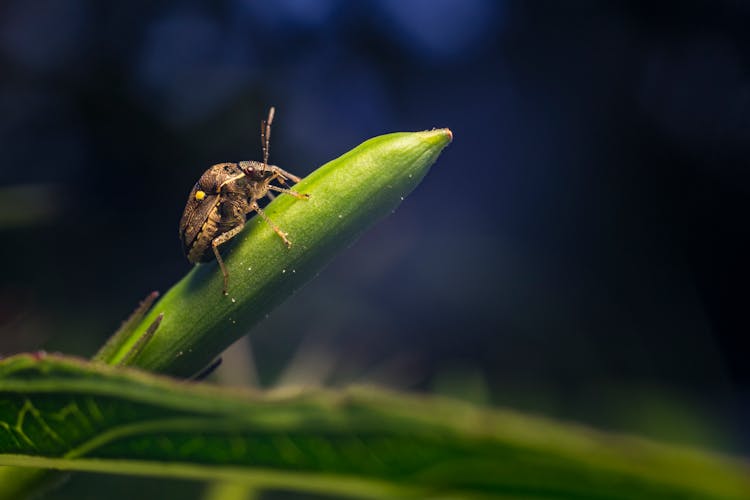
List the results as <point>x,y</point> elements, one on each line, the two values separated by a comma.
<point>199,195</point>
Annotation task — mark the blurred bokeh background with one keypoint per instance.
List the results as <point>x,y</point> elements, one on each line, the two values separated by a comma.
<point>579,251</point>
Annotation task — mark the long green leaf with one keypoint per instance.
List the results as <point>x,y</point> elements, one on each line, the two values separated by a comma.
<point>347,195</point>
<point>76,415</point>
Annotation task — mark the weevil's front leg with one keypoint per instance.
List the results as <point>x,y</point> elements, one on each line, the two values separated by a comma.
<point>299,196</point>
<point>284,174</point>
<point>223,238</point>
<point>282,234</point>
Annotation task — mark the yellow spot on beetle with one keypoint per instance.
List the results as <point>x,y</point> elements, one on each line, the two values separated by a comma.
<point>199,195</point>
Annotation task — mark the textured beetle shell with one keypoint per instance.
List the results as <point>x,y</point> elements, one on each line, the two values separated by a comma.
<point>222,209</point>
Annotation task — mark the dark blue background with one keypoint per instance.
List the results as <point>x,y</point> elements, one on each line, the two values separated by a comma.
<point>580,250</point>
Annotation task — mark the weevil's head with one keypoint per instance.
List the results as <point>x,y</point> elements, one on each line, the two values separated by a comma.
<point>256,170</point>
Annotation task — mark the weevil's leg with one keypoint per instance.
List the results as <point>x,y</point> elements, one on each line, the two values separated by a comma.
<point>223,238</point>
<point>276,229</point>
<point>278,177</point>
<point>283,174</point>
<point>299,196</point>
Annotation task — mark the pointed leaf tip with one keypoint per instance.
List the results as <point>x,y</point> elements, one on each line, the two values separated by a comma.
<point>438,137</point>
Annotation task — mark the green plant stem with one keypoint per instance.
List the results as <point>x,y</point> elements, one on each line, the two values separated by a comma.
<point>347,195</point>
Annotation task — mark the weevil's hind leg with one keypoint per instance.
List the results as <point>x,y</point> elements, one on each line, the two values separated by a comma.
<point>223,238</point>
<point>276,229</point>
<point>299,196</point>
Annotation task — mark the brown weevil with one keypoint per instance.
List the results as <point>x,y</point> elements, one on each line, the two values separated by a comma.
<point>220,201</point>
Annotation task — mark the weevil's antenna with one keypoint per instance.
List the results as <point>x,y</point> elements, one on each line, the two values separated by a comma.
<point>265,135</point>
